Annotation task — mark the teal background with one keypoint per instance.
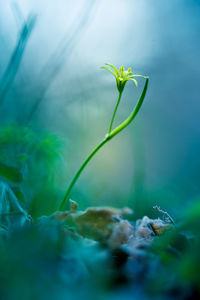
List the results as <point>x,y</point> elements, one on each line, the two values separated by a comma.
<point>59,87</point>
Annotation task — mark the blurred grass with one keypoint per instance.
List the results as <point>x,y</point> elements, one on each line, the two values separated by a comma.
<point>10,73</point>
<point>34,157</point>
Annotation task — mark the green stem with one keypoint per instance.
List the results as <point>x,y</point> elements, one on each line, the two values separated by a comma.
<point>78,173</point>
<point>134,112</point>
<point>114,113</point>
<point>108,137</point>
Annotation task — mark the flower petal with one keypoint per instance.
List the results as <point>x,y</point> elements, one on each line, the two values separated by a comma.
<point>135,75</point>
<point>135,81</point>
<point>106,68</point>
<point>113,67</point>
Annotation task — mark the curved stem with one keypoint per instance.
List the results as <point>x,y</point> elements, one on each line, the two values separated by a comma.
<point>134,112</point>
<point>108,137</point>
<point>78,173</point>
<point>114,113</point>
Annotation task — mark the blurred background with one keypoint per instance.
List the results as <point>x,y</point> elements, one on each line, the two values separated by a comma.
<point>51,82</point>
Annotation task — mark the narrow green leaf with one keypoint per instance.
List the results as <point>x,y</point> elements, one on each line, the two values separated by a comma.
<point>113,67</point>
<point>106,68</point>
<point>133,114</point>
<point>10,173</point>
<point>135,81</point>
<point>135,75</point>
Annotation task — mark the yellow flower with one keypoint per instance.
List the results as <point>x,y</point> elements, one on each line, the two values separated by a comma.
<point>122,76</point>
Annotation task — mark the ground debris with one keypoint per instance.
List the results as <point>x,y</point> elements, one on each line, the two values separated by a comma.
<point>106,225</point>
<point>145,231</point>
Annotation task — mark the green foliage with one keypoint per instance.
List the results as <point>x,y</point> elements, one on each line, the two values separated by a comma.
<point>25,148</point>
<point>29,162</point>
<point>10,173</point>
<point>39,261</point>
<point>11,211</point>
<point>28,150</point>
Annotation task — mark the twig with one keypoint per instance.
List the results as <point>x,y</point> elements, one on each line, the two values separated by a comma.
<point>166,216</point>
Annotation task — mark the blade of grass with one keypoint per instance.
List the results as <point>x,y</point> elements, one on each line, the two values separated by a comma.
<point>10,73</point>
<point>57,60</point>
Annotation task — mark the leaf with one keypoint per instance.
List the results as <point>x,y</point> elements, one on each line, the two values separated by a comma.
<point>113,67</point>
<point>11,211</point>
<point>133,113</point>
<point>135,81</point>
<point>98,222</point>
<point>8,200</point>
<point>135,75</point>
<point>10,173</point>
<point>16,57</point>
<point>106,68</point>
